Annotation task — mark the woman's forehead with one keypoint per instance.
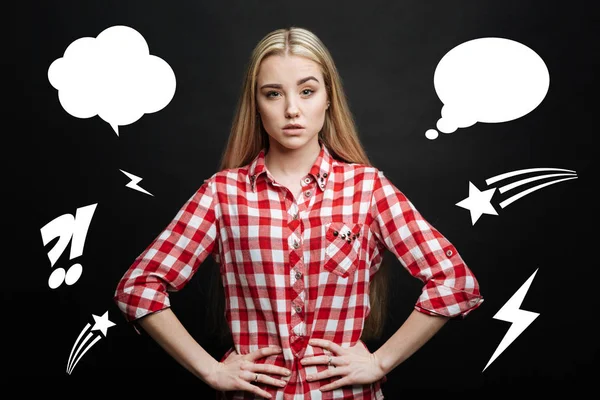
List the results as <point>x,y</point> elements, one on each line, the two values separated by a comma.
<point>283,68</point>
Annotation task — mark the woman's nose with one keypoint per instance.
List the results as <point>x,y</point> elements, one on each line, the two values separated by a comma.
<point>291,110</point>
<point>291,113</point>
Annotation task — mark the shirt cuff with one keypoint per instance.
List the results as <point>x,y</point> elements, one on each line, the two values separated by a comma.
<point>135,306</point>
<point>448,302</point>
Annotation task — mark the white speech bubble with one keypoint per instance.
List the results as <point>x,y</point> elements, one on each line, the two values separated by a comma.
<point>113,76</point>
<point>488,80</point>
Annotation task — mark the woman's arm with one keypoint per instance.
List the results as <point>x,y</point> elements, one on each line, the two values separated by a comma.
<point>166,329</point>
<point>412,334</point>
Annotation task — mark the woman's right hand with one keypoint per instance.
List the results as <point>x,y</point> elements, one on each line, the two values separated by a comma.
<point>237,372</point>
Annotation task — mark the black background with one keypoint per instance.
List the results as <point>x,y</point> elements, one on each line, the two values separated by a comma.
<point>386,53</point>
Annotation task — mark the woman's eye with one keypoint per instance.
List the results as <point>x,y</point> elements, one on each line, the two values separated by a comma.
<point>305,92</point>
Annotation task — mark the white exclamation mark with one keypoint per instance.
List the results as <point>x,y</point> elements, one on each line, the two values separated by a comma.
<point>68,229</point>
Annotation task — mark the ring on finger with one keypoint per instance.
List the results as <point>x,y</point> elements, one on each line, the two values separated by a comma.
<point>330,359</point>
<point>255,377</point>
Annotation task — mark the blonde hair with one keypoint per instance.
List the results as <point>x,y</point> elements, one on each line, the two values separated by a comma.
<point>339,134</point>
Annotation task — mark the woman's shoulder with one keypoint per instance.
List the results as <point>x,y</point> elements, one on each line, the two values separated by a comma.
<point>355,168</point>
<point>228,175</point>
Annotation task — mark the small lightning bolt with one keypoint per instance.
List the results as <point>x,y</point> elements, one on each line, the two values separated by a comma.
<point>134,183</point>
<point>520,319</point>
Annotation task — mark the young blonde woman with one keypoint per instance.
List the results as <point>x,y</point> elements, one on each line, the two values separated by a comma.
<point>298,221</point>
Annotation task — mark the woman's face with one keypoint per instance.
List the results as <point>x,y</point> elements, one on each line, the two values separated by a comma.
<point>290,90</point>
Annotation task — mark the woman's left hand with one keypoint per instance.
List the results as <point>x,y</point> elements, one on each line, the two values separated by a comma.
<point>355,365</point>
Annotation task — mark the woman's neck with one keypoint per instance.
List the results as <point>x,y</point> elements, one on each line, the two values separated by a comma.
<point>291,163</point>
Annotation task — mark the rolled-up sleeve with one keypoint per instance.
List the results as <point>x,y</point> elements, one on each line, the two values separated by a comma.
<point>450,287</point>
<point>171,260</point>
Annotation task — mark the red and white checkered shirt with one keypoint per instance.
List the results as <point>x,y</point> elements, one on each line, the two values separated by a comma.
<point>298,268</point>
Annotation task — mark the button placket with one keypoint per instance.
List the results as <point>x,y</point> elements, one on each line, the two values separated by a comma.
<point>296,266</point>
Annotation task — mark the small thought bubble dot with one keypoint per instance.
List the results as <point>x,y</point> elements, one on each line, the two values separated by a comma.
<point>431,134</point>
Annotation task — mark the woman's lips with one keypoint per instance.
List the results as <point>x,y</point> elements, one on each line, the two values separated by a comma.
<point>293,130</point>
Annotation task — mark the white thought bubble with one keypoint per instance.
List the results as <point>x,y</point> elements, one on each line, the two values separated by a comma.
<point>113,76</point>
<point>488,80</point>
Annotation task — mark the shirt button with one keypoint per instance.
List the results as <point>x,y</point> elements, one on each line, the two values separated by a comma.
<point>307,193</point>
<point>335,233</point>
<point>298,275</point>
<point>298,309</point>
<point>449,253</point>
<point>295,216</point>
<point>307,180</point>
<point>325,175</point>
<point>296,244</point>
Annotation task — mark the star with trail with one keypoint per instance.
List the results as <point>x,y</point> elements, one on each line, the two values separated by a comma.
<point>85,341</point>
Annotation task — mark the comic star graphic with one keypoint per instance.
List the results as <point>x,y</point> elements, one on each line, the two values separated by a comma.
<point>480,202</point>
<point>102,323</point>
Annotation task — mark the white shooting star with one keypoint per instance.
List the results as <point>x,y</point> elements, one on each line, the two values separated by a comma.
<point>101,324</point>
<point>479,202</point>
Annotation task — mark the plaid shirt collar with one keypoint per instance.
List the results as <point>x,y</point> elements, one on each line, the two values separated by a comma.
<point>321,169</point>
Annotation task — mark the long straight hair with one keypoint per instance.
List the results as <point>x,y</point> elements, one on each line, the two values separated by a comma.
<point>339,134</point>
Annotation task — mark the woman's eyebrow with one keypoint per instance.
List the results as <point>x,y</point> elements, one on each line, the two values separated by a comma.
<point>300,82</point>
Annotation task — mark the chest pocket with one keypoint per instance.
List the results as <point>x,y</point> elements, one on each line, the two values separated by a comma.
<point>342,247</point>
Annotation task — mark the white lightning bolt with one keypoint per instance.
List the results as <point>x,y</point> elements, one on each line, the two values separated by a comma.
<point>134,183</point>
<point>520,319</point>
